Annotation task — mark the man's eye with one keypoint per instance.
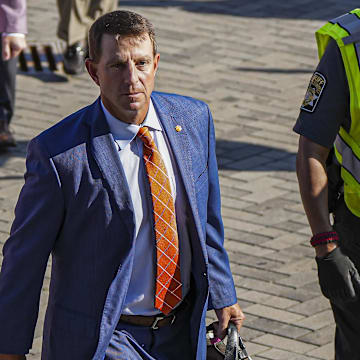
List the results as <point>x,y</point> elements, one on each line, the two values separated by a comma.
<point>142,63</point>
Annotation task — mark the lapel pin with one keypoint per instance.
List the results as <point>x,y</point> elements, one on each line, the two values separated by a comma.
<point>178,128</point>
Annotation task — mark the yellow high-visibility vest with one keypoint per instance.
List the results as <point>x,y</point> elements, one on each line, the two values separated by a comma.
<point>345,30</point>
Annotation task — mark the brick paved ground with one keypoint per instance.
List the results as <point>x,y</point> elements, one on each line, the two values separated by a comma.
<point>251,61</point>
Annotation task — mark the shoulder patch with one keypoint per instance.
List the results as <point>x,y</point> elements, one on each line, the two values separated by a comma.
<point>314,91</point>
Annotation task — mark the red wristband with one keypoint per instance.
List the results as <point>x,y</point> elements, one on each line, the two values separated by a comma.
<point>324,238</point>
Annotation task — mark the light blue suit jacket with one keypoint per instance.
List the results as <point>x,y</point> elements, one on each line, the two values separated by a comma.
<point>76,206</point>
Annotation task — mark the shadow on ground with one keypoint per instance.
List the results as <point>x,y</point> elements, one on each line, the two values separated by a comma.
<point>16,152</point>
<point>242,156</point>
<point>45,76</point>
<point>294,9</point>
<point>232,155</point>
<point>274,70</point>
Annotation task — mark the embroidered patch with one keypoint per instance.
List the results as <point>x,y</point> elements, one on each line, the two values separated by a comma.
<point>314,91</point>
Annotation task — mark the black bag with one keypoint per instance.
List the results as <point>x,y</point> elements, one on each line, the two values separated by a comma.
<point>234,349</point>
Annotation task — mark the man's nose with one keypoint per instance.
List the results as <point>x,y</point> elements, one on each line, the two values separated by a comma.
<point>131,74</point>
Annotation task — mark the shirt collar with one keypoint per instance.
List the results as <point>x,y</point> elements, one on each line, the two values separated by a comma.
<point>123,132</point>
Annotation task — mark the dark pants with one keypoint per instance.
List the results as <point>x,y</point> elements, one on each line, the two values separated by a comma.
<point>76,17</point>
<point>347,316</point>
<point>7,87</point>
<point>131,342</point>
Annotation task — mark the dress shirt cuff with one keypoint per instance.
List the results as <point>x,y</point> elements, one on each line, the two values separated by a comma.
<point>13,34</point>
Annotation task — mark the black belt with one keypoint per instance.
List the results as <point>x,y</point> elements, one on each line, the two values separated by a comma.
<point>157,321</point>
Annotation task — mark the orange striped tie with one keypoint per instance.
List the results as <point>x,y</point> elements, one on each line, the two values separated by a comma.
<point>168,284</point>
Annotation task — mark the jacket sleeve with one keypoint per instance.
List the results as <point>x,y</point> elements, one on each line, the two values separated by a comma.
<point>221,285</point>
<point>13,16</point>
<point>38,219</point>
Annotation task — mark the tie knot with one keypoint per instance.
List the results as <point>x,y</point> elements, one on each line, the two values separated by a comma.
<point>145,136</point>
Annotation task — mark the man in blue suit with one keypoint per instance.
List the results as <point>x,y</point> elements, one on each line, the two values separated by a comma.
<point>87,201</point>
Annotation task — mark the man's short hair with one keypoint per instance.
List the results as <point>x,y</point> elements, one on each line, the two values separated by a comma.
<point>121,23</point>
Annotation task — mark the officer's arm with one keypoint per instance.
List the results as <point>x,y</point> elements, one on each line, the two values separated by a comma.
<point>313,182</point>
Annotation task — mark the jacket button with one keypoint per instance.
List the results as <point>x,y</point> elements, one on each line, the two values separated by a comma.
<point>205,274</point>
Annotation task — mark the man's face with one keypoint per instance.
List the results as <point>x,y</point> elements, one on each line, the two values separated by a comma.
<point>125,74</point>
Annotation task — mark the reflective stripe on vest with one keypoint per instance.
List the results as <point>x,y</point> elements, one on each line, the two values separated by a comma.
<point>345,30</point>
<point>350,161</point>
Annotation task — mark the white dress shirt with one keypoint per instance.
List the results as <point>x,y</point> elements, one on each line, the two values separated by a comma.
<point>140,296</point>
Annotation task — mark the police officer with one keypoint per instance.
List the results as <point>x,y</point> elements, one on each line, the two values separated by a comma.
<point>328,169</point>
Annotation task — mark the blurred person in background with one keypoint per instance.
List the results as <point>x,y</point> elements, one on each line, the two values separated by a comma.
<point>75,18</point>
<point>12,31</point>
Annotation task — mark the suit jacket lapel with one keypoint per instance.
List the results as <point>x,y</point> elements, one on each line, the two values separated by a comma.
<point>179,143</point>
<point>105,154</point>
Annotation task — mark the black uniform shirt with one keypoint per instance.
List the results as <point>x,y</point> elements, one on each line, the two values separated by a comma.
<point>326,106</point>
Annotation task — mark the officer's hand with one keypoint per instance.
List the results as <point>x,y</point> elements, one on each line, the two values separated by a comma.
<point>230,313</point>
<point>12,357</point>
<point>338,277</point>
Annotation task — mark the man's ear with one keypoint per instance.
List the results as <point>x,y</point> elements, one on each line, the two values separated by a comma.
<point>156,62</point>
<point>91,67</point>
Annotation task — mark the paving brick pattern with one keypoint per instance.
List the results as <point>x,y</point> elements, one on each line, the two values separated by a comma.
<point>250,61</point>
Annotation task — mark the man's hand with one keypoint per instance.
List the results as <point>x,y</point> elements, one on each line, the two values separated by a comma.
<point>338,277</point>
<point>11,47</point>
<point>12,357</point>
<point>230,313</point>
